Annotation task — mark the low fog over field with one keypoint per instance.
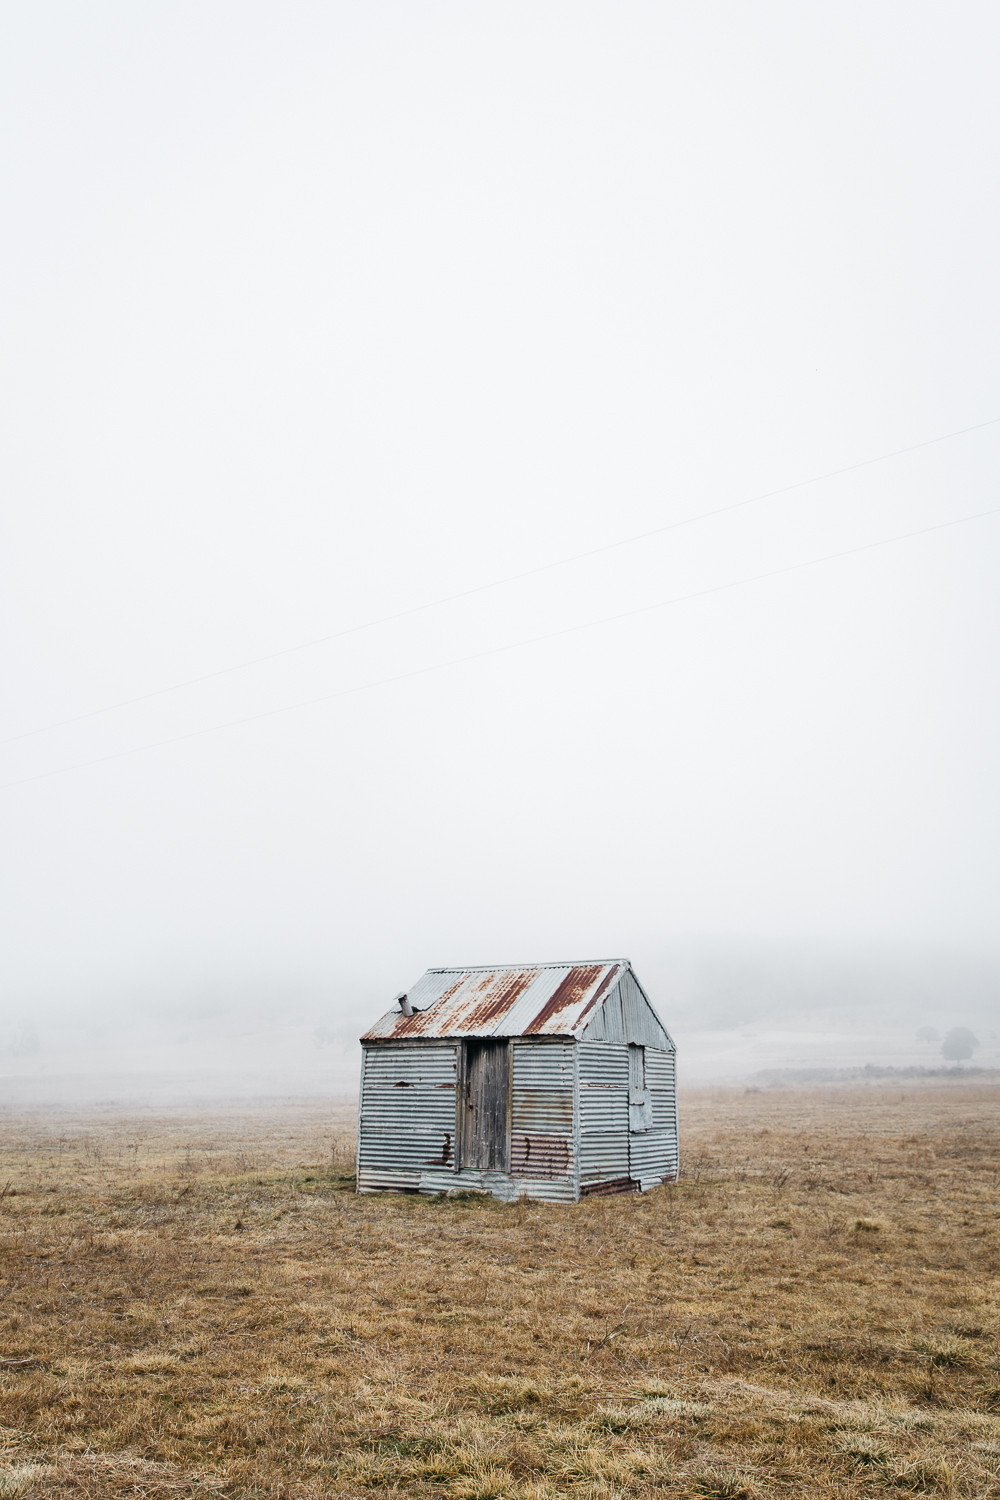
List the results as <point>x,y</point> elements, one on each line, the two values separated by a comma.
<point>737,1012</point>
<point>495,484</point>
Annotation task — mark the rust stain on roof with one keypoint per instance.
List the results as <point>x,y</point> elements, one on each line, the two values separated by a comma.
<point>493,995</point>
<point>528,1000</point>
<point>611,974</point>
<point>570,991</point>
<point>421,1023</point>
<point>497,1000</point>
<point>410,1025</point>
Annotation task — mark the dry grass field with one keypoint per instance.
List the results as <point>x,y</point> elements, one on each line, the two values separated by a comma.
<point>199,1304</point>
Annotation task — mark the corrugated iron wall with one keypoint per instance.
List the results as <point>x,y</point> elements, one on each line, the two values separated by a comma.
<point>627,1016</point>
<point>653,1152</point>
<point>407,1116</point>
<point>642,1025</point>
<point>542,1154</point>
<point>608,1024</point>
<point>406,1129</point>
<point>603,1114</point>
<point>610,1153</point>
<point>569,1120</point>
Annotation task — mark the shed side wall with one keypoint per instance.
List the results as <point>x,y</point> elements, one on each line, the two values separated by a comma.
<point>653,1152</point>
<point>603,1113</point>
<point>609,1151</point>
<point>627,1016</point>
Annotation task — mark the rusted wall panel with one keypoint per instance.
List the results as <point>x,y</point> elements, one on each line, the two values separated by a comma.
<point>536,1155</point>
<point>610,1186</point>
<point>542,1111</point>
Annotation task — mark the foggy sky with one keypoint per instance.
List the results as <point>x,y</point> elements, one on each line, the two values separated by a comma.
<point>315,313</point>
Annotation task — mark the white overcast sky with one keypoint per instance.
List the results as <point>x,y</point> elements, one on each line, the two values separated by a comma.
<point>317,313</point>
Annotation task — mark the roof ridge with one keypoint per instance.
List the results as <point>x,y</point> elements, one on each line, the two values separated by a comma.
<point>566,963</point>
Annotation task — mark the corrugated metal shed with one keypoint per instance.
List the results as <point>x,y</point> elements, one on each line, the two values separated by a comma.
<point>541,1080</point>
<point>540,1000</point>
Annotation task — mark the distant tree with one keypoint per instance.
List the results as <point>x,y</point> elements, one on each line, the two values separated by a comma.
<point>928,1034</point>
<point>959,1044</point>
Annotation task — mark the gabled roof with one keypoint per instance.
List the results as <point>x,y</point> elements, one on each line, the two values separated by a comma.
<point>528,1000</point>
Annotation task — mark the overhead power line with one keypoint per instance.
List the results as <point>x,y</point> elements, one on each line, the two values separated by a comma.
<point>481,588</point>
<point>549,635</point>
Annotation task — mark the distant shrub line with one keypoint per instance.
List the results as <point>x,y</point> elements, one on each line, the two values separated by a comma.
<point>870,1070</point>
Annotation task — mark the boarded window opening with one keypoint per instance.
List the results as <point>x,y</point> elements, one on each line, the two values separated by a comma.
<point>484,1106</point>
<point>640,1110</point>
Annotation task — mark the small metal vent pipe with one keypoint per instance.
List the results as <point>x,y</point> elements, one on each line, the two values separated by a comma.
<point>404,1004</point>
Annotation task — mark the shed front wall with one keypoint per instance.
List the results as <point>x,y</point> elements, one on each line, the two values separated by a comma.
<point>408,1114</point>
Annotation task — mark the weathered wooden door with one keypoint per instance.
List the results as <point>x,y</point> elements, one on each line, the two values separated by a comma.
<point>484,1112</point>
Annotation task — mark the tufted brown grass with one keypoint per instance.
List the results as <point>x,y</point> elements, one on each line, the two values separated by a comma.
<point>197,1303</point>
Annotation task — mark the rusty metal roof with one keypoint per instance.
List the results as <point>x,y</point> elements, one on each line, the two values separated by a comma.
<point>533,1000</point>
